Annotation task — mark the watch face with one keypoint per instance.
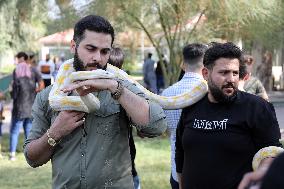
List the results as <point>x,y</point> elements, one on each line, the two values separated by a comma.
<point>51,142</point>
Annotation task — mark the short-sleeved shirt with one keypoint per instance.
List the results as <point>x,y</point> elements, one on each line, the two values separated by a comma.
<point>24,93</point>
<point>98,155</point>
<point>216,142</point>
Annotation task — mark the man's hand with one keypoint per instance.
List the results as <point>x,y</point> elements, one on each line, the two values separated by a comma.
<point>91,85</point>
<point>252,177</point>
<point>65,123</point>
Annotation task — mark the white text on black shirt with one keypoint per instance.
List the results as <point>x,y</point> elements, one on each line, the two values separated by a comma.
<point>210,125</point>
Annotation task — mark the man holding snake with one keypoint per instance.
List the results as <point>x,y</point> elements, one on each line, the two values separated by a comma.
<point>91,150</point>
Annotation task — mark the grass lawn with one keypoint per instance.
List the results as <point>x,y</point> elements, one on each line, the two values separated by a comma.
<point>152,163</point>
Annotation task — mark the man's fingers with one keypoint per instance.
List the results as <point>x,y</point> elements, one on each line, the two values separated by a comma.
<point>77,85</point>
<point>245,181</point>
<point>250,178</point>
<point>79,116</point>
<point>80,122</point>
<point>86,91</point>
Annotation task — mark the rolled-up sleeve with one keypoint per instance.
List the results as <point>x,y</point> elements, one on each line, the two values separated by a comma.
<point>157,123</point>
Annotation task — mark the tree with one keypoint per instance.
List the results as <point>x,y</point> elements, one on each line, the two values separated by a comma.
<point>164,22</point>
<point>65,18</point>
<point>22,23</point>
<point>259,24</point>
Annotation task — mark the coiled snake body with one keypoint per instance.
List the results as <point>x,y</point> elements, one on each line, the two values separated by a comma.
<point>59,100</point>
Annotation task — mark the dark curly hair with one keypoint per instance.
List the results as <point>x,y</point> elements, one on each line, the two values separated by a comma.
<point>93,23</point>
<point>222,50</point>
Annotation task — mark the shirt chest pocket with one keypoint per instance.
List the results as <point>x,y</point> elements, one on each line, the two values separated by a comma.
<point>106,120</point>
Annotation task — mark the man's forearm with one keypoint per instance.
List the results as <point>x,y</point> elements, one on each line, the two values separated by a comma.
<point>39,151</point>
<point>135,106</point>
<point>265,163</point>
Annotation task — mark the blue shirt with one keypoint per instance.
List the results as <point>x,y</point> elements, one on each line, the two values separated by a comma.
<point>187,82</point>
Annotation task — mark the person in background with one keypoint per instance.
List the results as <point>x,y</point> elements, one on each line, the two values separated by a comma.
<point>26,83</point>
<point>159,74</point>
<point>192,66</point>
<point>91,150</point>
<point>243,77</point>
<point>116,58</point>
<point>32,60</point>
<point>252,84</point>
<point>149,75</point>
<point>58,62</point>
<point>221,136</point>
<point>2,98</point>
<point>46,68</point>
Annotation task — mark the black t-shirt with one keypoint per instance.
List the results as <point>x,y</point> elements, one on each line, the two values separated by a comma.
<point>216,142</point>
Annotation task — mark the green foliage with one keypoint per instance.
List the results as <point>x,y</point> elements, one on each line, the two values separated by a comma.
<point>21,24</point>
<point>259,20</point>
<point>163,22</point>
<point>65,18</point>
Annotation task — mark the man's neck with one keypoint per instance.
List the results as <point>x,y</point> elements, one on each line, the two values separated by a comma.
<point>211,98</point>
<point>193,71</point>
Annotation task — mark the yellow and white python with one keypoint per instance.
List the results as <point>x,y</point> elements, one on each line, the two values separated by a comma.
<point>59,100</point>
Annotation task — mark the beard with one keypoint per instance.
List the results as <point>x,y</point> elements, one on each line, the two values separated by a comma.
<point>78,64</point>
<point>219,95</point>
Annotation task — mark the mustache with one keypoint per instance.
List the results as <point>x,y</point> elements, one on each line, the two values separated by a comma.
<point>229,85</point>
<point>97,65</point>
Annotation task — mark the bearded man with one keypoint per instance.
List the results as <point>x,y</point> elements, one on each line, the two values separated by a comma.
<point>218,137</point>
<point>91,151</point>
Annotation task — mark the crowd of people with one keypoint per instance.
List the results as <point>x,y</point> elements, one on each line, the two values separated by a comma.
<point>227,140</point>
<point>153,76</point>
<point>28,78</point>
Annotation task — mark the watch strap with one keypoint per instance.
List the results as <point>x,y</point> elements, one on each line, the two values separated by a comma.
<point>118,92</point>
<point>51,141</point>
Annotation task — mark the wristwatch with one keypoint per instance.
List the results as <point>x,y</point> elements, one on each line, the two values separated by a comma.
<point>51,141</point>
<point>118,92</point>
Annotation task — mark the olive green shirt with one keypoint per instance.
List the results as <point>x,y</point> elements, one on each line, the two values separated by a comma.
<point>254,86</point>
<point>98,156</point>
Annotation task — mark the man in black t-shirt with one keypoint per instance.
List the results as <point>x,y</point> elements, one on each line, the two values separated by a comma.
<point>222,135</point>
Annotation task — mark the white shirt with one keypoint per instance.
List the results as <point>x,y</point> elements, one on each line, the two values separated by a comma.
<point>45,64</point>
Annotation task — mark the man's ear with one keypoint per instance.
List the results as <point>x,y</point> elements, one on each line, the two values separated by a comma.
<point>72,46</point>
<point>205,73</point>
